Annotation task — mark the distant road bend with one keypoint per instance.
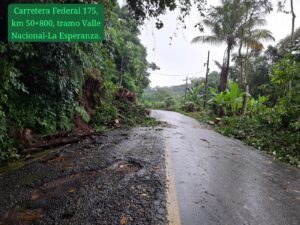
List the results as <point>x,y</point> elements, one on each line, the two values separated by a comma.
<point>215,180</point>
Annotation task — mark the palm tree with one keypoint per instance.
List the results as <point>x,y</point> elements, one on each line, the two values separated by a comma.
<point>252,44</point>
<point>251,37</point>
<point>234,23</point>
<point>225,22</point>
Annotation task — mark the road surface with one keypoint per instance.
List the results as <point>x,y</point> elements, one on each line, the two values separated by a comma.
<point>220,181</point>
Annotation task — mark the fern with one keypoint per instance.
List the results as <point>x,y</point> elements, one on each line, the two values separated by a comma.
<point>84,115</point>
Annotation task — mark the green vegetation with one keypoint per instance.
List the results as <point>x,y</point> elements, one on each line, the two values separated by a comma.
<point>53,88</point>
<point>163,98</point>
<point>260,104</point>
<point>237,28</point>
<point>48,89</point>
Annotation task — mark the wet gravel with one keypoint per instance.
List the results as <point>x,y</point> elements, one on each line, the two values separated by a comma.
<point>117,178</point>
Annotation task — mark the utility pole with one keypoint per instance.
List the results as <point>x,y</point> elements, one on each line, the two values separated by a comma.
<point>186,83</point>
<point>206,79</point>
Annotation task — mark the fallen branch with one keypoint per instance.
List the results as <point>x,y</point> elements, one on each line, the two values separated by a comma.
<point>50,142</point>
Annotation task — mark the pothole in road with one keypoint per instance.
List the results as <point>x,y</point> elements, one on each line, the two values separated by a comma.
<point>128,166</point>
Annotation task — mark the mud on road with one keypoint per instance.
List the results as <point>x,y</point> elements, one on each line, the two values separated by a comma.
<point>118,178</point>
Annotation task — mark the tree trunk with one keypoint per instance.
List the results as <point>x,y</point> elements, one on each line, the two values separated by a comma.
<point>293,22</point>
<point>225,72</point>
<point>245,84</point>
<point>240,59</point>
<point>293,37</point>
<point>245,99</point>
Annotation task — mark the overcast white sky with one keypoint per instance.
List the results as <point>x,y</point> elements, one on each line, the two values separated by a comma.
<point>182,57</point>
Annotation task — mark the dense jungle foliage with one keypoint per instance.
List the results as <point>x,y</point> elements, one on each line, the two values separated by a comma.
<point>260,104</point>
<point>53,88</point>
<point>48,89</point>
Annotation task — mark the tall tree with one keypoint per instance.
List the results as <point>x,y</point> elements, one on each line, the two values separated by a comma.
<point>281,4</point>
<point>281,8</point>
<point>251,37</point>
<point>225,22</point>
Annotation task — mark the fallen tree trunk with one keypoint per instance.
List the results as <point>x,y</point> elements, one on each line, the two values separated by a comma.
<point>54,141</point>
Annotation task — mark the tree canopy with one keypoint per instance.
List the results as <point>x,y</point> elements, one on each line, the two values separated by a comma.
<point>143,9</point>
<point>234,23</point>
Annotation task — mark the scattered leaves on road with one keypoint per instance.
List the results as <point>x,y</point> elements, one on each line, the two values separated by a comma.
<point>124,220</point>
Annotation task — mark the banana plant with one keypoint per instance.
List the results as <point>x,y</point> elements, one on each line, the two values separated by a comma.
<point>230,102</point>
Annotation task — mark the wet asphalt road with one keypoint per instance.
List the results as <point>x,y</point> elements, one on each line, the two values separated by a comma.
<point>220,181</point>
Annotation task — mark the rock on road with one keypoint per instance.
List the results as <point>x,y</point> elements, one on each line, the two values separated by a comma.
<point>221,181</point>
